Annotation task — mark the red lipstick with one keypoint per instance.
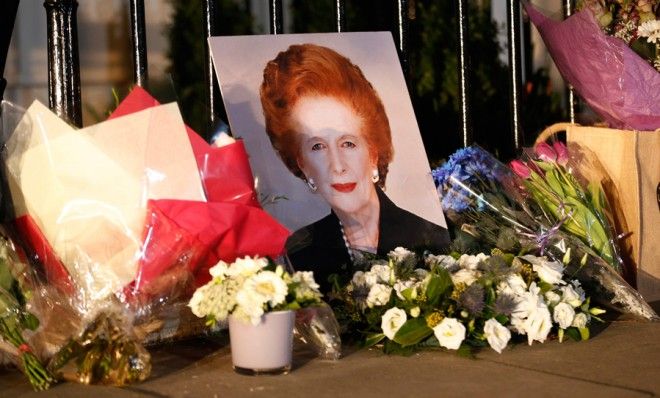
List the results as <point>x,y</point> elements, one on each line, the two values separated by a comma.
<point>345,188</point>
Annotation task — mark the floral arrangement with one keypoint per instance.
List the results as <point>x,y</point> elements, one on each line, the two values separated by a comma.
<point>250,287</point>
<point>461,302</point>
<point>636,22</point>
<point>15,319</point>
<point>609,52</point>
<point>490,206</point>
<point>550,179</point>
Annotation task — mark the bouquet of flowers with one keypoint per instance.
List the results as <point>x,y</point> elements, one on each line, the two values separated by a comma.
<point>462,302</point>
<point>250,287</point>
<point>552,182</point>
<point>16,320</point>
<point>125,218</point>
<point>635,22</point>
<point>487,201</point>
<point>597,50</point>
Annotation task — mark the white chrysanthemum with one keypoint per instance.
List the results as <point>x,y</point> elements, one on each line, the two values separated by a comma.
<point>269,286</point>
<point>250,306</point>
<point>465,276</point>
<point>467,261</point>
<point>650,30</point>
<point>497,335</point>
<point>307,288</point>
<point>379,295</point>
<point>549,271</point>
<point>392,320</point>
<point>450,333</point>
<point>198,303</point>
<point>219,270</point>
<point>399,254</point>
<point>563,314</point>
<point>246,266</point>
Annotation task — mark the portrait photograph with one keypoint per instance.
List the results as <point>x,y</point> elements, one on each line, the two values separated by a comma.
<point>333,143</point>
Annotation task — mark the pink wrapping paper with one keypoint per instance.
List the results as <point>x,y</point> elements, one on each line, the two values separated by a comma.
<point>617,84</point>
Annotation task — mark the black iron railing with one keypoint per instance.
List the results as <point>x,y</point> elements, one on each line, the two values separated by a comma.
<point>64,73</point>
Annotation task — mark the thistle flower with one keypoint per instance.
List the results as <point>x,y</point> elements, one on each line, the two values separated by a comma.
<point>505,304</point>
<point>472,299</point>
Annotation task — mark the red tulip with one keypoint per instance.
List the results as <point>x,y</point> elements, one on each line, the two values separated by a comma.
<point>520,168</point>
<point>562,152</point>
<point>545,152</point>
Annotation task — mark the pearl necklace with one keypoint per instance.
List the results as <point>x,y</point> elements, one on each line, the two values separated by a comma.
<point>346,243</point>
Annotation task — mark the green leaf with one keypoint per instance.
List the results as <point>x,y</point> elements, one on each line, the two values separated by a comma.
<point>30,321</point>
<point>373,339</point>
<point>412,332</point>
<point>573,333</point>
<point>438,284</point>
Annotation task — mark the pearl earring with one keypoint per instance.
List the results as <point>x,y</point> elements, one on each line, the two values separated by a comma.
<point>312,186</point>
<point>374,176</point>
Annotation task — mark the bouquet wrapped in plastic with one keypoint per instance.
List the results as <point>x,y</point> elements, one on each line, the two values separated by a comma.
<point>488,201</point>
<point>126,217</point>
<point>617,83</point>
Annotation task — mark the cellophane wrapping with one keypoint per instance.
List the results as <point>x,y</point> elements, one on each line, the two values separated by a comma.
<point>488,202</point>
<point>121,222</point>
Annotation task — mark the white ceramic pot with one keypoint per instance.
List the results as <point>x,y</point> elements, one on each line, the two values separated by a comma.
<point>265,348</point>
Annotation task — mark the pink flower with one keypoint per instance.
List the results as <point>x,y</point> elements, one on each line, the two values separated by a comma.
<point>562,152</point>
<point>520,168</point>
<point>545,152</point>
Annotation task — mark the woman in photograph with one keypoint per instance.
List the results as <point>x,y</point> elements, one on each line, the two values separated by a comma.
<point>329,127</point>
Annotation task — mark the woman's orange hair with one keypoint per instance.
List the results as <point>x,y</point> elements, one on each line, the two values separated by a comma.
<point>311,70</point>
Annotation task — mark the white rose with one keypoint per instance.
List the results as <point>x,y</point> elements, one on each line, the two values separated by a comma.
<point>382,272</point>
<point>450,333</point>
<point>538,325</point>
<point>443,261</point>
<point>465,276</point>
<point>563,314</point>
<point>392,321</point>
<point>400,286</point>
<point>378,295</point>
<point>370,278</point>
<point>570,296</point>
<point>467,261</point>
<point>549,271</point>
<point>399,254</point>
<point>580,320</point>
<point>552,298</point>
<point>513,285</point>
<point>414,312</point>
<point>359,279</point>
<point>497,335</point>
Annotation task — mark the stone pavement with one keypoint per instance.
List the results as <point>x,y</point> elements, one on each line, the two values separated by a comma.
<point>622,359</point>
